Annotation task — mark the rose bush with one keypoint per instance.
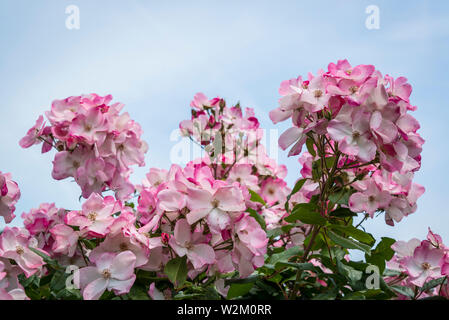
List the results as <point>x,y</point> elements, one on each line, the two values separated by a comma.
<point>226,225</point>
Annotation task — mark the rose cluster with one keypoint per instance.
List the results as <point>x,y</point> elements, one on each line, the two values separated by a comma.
<point>360,121</point>
<point>419,263</point>
<point>228,213</point>
<point>232,141</point>
<point>203,212</point>
<point>96,144</point>
<point>9,195</point>
<point>203,218</point>
<point>226,134</point>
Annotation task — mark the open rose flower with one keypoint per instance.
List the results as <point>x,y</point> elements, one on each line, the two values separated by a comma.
<point>111,272</point>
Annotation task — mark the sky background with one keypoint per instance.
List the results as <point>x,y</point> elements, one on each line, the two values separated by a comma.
<point>154,57</point>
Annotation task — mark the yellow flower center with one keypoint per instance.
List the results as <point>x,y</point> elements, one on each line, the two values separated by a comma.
<point>425,265</point>
<point>92,216</point>
<point>215,203</point>
<point>20,250</point>
<point>106,274</point>
<point>355,135</point>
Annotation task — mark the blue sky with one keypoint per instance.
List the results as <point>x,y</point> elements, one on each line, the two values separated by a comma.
<point>154,57</point>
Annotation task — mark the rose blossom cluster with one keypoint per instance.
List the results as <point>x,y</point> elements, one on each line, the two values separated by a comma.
<point>201,212</point>
<point>188,213</point>
<point>420,262</point>
<point>211,196</point>
<point>234,150</point>
<point>202,218</point>
<point>361,120</point>
<point>96,144</point>
<point>212,212</point>
<point>9,195</point>
<point>63,236</point>
<point>227,134</point>
<point>15,244</point>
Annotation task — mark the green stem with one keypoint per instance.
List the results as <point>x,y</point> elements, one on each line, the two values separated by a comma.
<point>315,232</point>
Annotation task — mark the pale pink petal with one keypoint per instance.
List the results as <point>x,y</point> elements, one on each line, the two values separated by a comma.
<point>199,199</point>
<point>95,289</point>
<point>289,137</point>
<point>121,286</point>
<point>201,254</point>
<point>182,232</point>
<point>195,215</point>
<point>122,267</point>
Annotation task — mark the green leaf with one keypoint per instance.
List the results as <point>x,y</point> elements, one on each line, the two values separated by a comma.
<point>405,291</point>
<point>309,145</point>
<point>26,282</point>
<point>250,279</point>
<point>267,287</point>
<point>255,197</point>
<point>138,293</point>
<point>187,296</point>
<point>355,233</point>
<point>68,294</point>
<point>329,162</point>
<point>325,296</point>
<point>58,280</point>
<point>433,283</point>
<point>354,296</point>
<point>285,255</point>
<point>349,243</point>
<point>88,243</point>
<point>176,271</point>
<point>258,217</point>
<point>341,197</point>
<point>349,272</point>
<point>384,248</point>
<point>306,213</point>
<point>386,288</point>
<point>298,185</point>
<point>273,233</point>
<point>109,295</point>
<point>239,289</point>
<point>391,273</point>
<point>381,253</point>
<point>298,266</point>
<point>342,213</point>
<point>373,293</point>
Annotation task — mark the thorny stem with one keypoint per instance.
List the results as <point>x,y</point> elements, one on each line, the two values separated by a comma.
<point>82,252</point>
<point>50,143</point>
<point>315,232</point>
<point>325,187</point>
<point>363,220</point>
